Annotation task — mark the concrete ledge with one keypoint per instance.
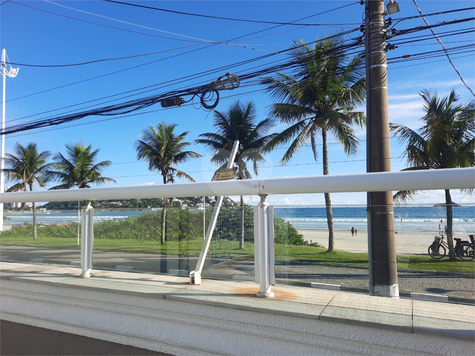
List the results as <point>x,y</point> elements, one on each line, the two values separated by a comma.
<point>432,297</point>
<point>165,313</point>
<point>325,286</point>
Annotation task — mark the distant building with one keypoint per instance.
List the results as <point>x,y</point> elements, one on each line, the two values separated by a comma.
<point>12,205</point>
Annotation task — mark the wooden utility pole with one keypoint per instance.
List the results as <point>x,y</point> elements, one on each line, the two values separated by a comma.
<point>381,237</point>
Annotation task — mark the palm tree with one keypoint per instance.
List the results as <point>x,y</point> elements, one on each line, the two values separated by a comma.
<point>319,99</point>
<point>78,168</point>
<point>27,166</point>
<point>163,149</point>
<point>239,123</point>
<point>446,140</point>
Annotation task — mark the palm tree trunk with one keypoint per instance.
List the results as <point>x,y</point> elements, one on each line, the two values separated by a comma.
<point>328,202</point>
<point>331,237</point>
<point>448,209</point>
<point>241,243</point>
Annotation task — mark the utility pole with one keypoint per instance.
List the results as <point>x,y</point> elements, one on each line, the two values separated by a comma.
<point>381,239</point>
<point>12,72</point>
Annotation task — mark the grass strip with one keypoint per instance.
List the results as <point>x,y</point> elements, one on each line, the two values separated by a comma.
<point>231,249</point>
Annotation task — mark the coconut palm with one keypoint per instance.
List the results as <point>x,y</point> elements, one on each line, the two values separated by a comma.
<point>162,148</point>
<point>78,168</point>
<point>318,99</point>
<point>239,123</point>
<point>446,140</point>
<point>27,166</point>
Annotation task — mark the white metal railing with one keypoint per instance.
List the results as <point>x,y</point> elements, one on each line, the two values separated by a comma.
<point>457,178</point>
<point>463,178</point>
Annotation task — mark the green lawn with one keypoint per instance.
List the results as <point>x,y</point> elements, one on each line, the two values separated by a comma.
<point>231,248</point>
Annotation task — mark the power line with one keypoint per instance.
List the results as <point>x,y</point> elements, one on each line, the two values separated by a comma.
<point>102,25</point>
<point>94,61</point>
<point>445,50</point>
<point>398,20</point>
<point>151,28</point>
<point>432,54</point>
<point>228,18</point>
<point>162,59</point>
<point>424,63</point>
<point>223,68</point>
<point>133,105</point>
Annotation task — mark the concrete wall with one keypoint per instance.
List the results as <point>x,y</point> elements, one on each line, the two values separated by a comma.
<point>142,316</point>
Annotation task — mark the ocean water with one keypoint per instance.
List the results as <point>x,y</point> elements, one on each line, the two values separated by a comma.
<point>65,217</point>
<point>407,218</point>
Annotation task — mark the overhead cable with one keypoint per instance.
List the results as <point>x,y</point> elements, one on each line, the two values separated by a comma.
<point>151,28</point>
<point>445,50</point>
<point>162,59</point>
<point>207,94</point>
<point>201,74</point>
<point>102,25</point>
<point>229,18</point>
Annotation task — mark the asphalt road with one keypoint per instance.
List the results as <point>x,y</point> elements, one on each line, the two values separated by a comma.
<point>458,287</point>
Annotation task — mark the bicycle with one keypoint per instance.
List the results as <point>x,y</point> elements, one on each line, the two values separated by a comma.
<point>438,248</point>
<point>463,249</point>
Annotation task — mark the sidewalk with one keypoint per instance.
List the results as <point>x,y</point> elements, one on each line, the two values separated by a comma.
<point>454,287</point>
<point>402,315</point>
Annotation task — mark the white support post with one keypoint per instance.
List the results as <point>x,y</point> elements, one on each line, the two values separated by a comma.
<point>87,237</point>
<point>195,276</point>
<point>264,247</point>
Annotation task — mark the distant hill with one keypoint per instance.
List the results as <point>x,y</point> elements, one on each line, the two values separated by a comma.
<point>185,203</point>
<point>443,204</point>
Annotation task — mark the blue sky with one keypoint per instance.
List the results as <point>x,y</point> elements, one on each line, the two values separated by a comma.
<point>65,32</point>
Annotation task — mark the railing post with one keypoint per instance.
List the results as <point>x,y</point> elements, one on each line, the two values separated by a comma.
<point>87,236</point>
<point>264,247</point>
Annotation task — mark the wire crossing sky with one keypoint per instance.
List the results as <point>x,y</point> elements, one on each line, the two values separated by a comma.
<point>78,57</point>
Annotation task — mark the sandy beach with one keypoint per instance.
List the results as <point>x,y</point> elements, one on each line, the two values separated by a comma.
<point>406,243</point>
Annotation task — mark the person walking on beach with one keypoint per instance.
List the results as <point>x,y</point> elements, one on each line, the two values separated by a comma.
<point>352,231</point>
<point>356,232</point>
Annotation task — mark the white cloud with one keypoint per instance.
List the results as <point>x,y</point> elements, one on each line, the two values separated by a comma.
<point>407,113</point>
<point>406,96</point>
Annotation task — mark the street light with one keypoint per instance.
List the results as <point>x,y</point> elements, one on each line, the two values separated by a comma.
<point>12,73</point>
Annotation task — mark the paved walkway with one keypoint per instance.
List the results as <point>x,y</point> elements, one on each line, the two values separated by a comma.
<point>407,316</point>
<point>454,287</point>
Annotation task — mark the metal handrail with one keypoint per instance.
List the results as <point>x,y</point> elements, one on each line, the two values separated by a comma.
<point>456,178</point>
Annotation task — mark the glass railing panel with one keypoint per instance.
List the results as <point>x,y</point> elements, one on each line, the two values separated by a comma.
<point>138,241</point>
<point>56,240</point>
<point>130,239</point>
<point>302,244</point>
<point>418,272</point>
<point>231,254</point>
<point>347,267</point>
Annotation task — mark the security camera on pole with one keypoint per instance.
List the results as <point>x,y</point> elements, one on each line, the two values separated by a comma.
<point>12,72</point>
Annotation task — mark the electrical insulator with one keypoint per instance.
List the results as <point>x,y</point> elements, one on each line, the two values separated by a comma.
<point>406,56</point>
<point>390,46</point>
